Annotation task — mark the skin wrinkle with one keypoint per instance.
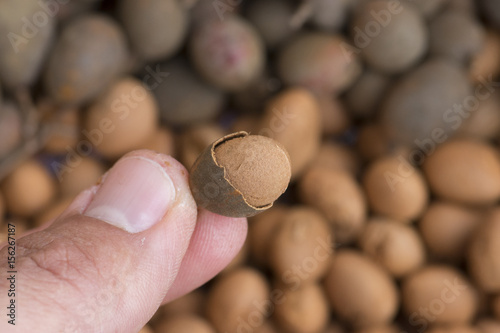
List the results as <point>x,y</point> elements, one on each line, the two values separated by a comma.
<point>42,293</point>
<point>88,279</point>
<point>57,268</point>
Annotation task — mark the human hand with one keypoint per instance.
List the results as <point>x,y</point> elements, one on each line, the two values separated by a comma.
<point>81,274</point>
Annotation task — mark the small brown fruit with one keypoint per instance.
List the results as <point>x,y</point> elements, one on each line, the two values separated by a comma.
<point>156,28</point>
<point>28,189</point>
<point>396,246</point>
<point>483,259</point>
<point>395,188</point>
<point>360,291</point>
<point>446,229</point>
<point>228,53</point>
<point>398,44</point>
<point>233,299</point>
<point>26,35</point>
<point>416,109</point>
<point>90,53</point>
<point>304,310</point>
<point>441,290</point>
<point>240,175</point>
<point>339,197</point>
<point>319,62</point>
<point>122,118</point>
<point>465,171</point>
<point>303,240</point>
<point>293,119</point>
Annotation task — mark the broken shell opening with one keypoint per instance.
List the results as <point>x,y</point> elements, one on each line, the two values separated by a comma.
<point>257,167</point>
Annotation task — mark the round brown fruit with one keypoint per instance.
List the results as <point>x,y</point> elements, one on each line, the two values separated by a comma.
<point>122,118</point>
<point>441,291</point>
<point>416,109</point>
<point>318,61</point>
<point>28,189</point>
<point>228,53</point>
<point>156,28</point>
<point>464,171</point>
<point>354,284</point>
<point>233,297</point>
<point>27,32</point>
<point>90,52</point>
<point>395,188</point>
<point>396,246</point>
<point>392,36</point>
<point>482,257</point>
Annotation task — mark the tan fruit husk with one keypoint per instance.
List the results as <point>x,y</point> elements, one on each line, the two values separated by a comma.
<point>211,188</point>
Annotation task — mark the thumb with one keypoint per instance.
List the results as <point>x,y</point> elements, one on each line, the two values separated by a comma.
<point>108,262</point>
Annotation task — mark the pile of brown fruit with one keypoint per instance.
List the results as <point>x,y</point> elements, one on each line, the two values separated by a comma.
<point>389,110</point>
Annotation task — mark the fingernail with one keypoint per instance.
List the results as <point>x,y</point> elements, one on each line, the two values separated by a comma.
<point>135,195</point>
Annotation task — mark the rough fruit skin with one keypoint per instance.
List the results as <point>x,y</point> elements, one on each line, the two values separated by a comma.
<point>217,185</point>
<point>90,53</point>
<point>23,49</point>
<point>256,166</point>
